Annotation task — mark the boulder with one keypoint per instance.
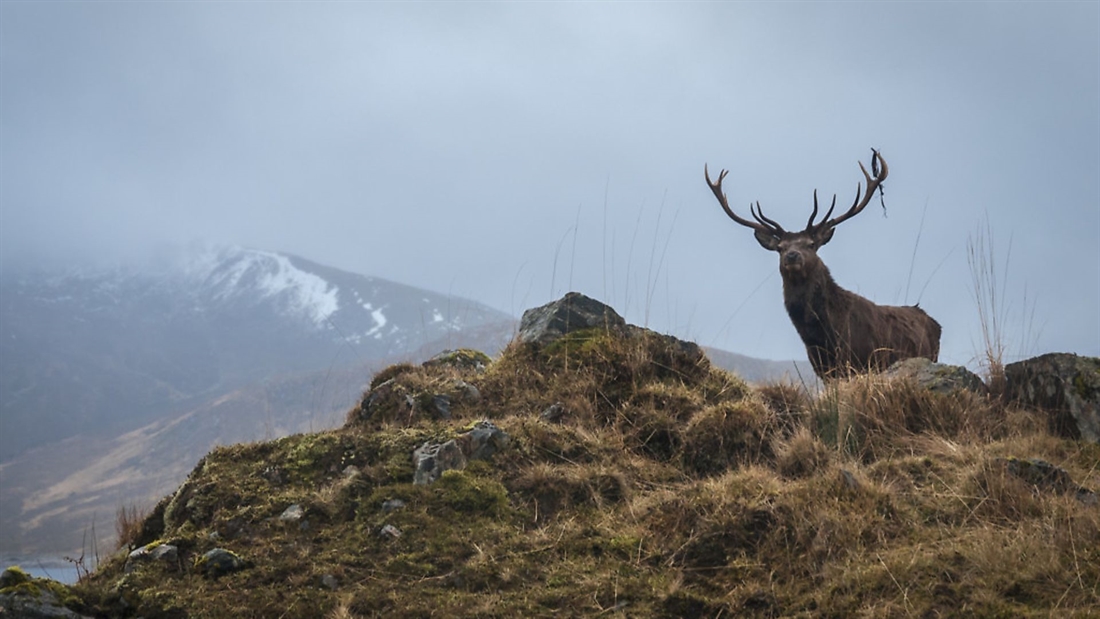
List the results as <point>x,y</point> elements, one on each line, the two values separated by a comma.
<point>1066,386</point>
<point>937,377</point>
<point>432,459</point>
<point>573,312</point>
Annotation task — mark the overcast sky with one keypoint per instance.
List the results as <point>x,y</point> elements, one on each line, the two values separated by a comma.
<point>510,152</point>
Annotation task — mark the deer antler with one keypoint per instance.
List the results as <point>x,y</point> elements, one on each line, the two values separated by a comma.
<point>873,183</point>
<point>762,223</point>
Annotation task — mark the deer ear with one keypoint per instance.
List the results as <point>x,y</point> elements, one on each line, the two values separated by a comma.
<point>824,236</point>
<point>767,241</point>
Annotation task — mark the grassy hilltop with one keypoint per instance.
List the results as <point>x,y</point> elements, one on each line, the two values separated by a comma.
<point>660,486</point>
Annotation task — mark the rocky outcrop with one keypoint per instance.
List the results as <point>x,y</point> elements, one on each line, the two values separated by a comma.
<point>480,443</point>
<point>576,312</point>
<point>34,598</point>
<point>938,377</point>
<point>1066,386</point>
<point>573,312</point>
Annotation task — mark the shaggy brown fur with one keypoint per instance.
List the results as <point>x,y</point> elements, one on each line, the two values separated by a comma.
<point>843,332</point>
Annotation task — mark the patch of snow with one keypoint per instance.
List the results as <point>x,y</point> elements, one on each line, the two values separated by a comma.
<point>273,275</point>
<point>436,316</point>
<point>379,322</point>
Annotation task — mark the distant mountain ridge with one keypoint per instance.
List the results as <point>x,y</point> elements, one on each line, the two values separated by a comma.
<point>106,351</point>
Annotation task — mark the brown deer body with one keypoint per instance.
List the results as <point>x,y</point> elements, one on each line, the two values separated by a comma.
<point>844,333</point>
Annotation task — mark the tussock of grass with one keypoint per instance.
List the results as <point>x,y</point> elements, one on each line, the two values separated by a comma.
<point>667,488</point>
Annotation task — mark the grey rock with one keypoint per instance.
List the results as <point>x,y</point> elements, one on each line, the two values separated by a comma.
<point>393,505</point>
<point>12,577</point>
<point>483,441</point>
<point>573,312</point>
<point>441,406</point>
<point>480,443</point>
<point>388,399</point>
<point>849,480</point>
<point>350,471</point>
<point>1066,386</point>
<point>166,553</point>
<point>219,562</point>
<point>937,377</point>
<point>463,359</point>
<point>36,601</point>
<point>294,513</point>
<point>432,459</point>
<point>390,532</point>
<point>330,582</point>
<point>1046,476</point>
<point>553,413</point>
<point>274,475</point>
<point>468,392</point>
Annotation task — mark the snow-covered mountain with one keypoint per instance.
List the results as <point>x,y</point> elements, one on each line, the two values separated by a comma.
<point>98,352</point>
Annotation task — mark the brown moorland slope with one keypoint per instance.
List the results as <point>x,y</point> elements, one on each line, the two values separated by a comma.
<point>637,480</point>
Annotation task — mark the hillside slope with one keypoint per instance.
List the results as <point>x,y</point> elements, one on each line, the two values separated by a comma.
<point>634,479</point>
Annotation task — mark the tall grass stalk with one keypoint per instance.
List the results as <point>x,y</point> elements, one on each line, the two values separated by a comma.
<point>988,292</point>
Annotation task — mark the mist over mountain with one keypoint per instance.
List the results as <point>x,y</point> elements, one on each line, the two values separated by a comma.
<point>100,351</point>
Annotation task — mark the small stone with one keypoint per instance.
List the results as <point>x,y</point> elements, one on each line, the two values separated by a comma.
<point>392,505</point>
<point>463,359</point>
<point>469,392</point>
<point>849,480</point>
<point>293,513</point>
<point>329,581</point>
<point>350,470</point>
<point>219,562</point>
<point>390,532</point>
<point>553,413</point>
<point>166,553</point>
<point>441,406</point>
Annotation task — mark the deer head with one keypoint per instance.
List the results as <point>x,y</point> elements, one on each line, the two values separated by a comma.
<point>798,250</point>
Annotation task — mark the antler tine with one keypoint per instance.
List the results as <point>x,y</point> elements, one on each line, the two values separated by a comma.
<point>762,226</point>
<point>873,183</point>
<point>759,215</point>
<point>813,215</point>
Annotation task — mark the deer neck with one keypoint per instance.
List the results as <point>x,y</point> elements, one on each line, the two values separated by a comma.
<point>810,303</point>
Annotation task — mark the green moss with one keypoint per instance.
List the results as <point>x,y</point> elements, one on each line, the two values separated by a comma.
<point>471,495</point>
<point>14,576</point>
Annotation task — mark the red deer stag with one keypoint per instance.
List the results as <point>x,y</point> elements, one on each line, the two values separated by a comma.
<point>843,332</point>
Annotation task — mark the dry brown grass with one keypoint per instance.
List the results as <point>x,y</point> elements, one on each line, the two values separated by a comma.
<point>666,488</point>
<point>128,525</point>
